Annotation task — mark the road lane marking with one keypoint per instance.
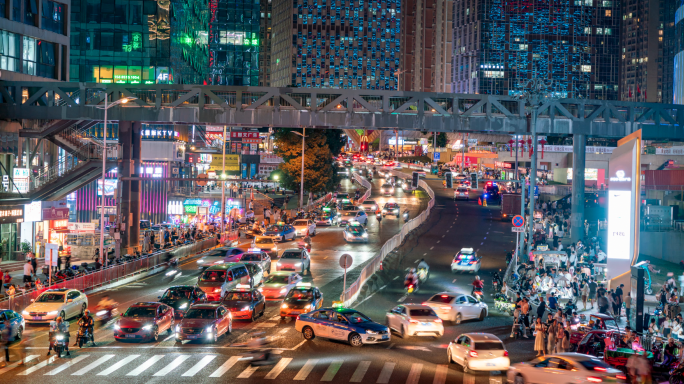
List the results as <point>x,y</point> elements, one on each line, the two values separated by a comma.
<point>453,281</point>
<point>381,288</point>
<point>306,369</point>
<point>92,365</point>
<point>118,365</point>
<point>278,368</point>
<point>298,345</point>
<point>172,365</point>
<point>247,373</point>
<point>444,235</point>
<point>386,373</point>
<point>395,277</point>
<point>431,248</point>
<point>424,253</point>
<point>38,366</point>
<point>401,299</point>
<point>283,331</point>
<point>62,367</point>
<point>360,372</point>
<point>415,261</point>
<point>330,373</point>
<point>438,241</point>
<point>441,374</point>
<point>198,367</point>
<point>414,374</point>
<point>144,366</point>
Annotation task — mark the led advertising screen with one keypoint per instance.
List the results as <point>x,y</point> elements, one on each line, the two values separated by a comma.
<point>620,208</point>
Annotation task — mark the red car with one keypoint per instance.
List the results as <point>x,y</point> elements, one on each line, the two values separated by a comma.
<point>205,322</point>
<point>144,321</point>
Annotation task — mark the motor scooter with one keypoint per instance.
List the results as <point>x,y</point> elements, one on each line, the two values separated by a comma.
<point>60,343</point>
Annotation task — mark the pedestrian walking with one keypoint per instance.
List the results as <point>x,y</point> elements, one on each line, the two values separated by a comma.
<point>592,292</point>
<point>539,337</point>
<point>551,330</point>
<point>584,292</point>
<point>541,308</point>
<point>560,337</point>
<point>28,271</point>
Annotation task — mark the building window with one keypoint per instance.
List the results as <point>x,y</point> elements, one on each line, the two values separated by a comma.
<point>46,63</point>
<point>53,17</point>
<point>16,10</point>
<point>9,51</point>
<point>609,13</point>
<point>586,68</point>
<point>494,74</point>
<point>3,5</point>
<point>587,30</point>
<point>28,56</point>
<point>30,12</point>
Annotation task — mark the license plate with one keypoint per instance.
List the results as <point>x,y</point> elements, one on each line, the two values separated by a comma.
<point>423,323</point>
<point>385,337</point>
<point>296,312</point>
<point>192,336</point>
<point>489,364</point>
<point>130,336</point>
<point>37,318</point>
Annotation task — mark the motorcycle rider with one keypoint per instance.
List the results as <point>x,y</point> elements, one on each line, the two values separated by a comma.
<point>406,216</point>
<point>306,242</point>
<point>58,326</point>
<point>411,278</point>
<point>423,265</point>
<point>87,322</point>
<point>107,303</point>
<point>478,285</point>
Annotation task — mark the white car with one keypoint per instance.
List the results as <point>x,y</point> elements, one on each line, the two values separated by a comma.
<point>466,261</point>
<point>564,368</point>
<point>456,307</point>
<point>414,320</point>
<point>355,232</point>
<point>54,303</point>
<point>480,352</point>
<point>387,189</point>
<point>350,216</point>
<point>294,260</point>
<point>369,206</point>
<point>304,227</point>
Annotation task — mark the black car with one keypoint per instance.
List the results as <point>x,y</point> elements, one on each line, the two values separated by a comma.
<point>245,303</point>
<point>182,297</point>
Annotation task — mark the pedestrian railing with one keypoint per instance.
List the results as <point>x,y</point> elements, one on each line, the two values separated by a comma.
<point>112,273</point>
<point>351,293</point>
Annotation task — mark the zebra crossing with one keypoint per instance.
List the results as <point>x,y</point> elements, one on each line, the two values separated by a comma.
<point>220,366</point>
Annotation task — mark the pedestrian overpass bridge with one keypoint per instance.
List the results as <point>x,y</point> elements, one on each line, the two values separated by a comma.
<point>60,105</point>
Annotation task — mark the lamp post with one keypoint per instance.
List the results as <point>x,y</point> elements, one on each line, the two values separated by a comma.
<point>301,182</point>
<point>104,165</point>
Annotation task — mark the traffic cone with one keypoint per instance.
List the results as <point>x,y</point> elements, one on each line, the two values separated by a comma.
<point>484,202</point>
<point>381,266</point>
<point>479,201</point>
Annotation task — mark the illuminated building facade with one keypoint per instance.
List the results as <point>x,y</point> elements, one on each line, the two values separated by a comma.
<point>677,62</point>
<point>336,43</point>
<point>265,44</point>
<point>498,44</point>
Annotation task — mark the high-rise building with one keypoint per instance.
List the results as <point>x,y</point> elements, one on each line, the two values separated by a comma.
<point>671,46</point>
<point>34,40</point>
<point>335,43</point>
<point>678,62</point>
<point>641,56</point>
<point>265,44</point>
<point>426,33</point>
<point>498,45</point>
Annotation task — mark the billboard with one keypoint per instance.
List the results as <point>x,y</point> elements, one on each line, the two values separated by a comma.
<point>110,187</point>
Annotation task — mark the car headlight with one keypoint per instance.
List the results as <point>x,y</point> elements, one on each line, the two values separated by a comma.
<point>371,332</point>
<point>183,306</point>
<point>25,313</point>
<point>374,207</point>
<point>177,327</point>
<point>307,306</point>
<point>147,327</point>
<point>60,337</point>
<point>284,290</point>
<point>200,261</point>
<point>284,306</point>
<point>217,290</point>
<point>365,235</point>
<point>53,313</point>
<point>279,264</point>
<point>117,327</point>
<point>209,329</point>
<point>298,265</point>
<point>245,309</point>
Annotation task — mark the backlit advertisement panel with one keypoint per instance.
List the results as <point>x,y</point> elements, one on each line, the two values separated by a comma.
<point>620,210</point>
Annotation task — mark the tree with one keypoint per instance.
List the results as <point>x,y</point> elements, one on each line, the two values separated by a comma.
<point>319,173</point>
<point>442,140</point>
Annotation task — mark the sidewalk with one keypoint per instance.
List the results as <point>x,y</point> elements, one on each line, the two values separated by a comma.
<point>13,265</point>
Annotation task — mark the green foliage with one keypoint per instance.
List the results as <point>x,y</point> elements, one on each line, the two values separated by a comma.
<point>442,140</point>
<point>319,173</point>
<point>25,246</point>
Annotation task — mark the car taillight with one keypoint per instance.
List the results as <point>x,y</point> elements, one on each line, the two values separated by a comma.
<point>415,321</point>
<point>472,353</point>
<point>600,369</point>
<point>217,290</point>
<point>297,317</point>
<point>593,379</point>
<point>438,320</point>
<point>473,262</point>
<point>505,353</point>
<point>621,377</point>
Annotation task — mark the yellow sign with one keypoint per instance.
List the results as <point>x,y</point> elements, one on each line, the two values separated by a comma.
<point>232,163</point>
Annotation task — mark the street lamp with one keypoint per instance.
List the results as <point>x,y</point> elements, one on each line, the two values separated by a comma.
<point>104,165</point>
<point>301,184</point>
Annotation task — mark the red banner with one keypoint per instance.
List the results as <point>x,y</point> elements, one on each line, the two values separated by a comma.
<point>55,213</point>
<point>244,135</point>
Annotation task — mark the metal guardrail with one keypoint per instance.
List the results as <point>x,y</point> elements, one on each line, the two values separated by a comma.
<point>350,295</point>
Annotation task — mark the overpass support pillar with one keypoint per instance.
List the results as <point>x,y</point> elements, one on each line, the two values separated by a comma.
<point>129,138</point>
<point>579,143</point>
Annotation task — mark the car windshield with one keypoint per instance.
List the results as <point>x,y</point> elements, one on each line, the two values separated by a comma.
<point>238,296</point>
<point>210,276</point>
<point>291,255</point>
<point>276,228</point>
<point>444,299</point>
<point>263,240</point>
<point>300,294</point>
<point>201,313</point>
<point>391,205</point>
<point>590,364</point>
<point>370,202</point>
<point>251,257</point>
<point>355,229</point>
<point>277,279</point>
<point>140,312</point>
<point>489,346</point>
<point>50,298</point>
<point>357,317</point>
<point>422,312</point>
<point>177,293</point>
<point>301,223</point>
<point>387,185</point>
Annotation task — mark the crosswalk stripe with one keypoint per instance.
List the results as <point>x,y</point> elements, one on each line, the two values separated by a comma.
<point>360,372</point>
<point>14,365</point>
<point>144,366</point>
<point>38,366</point>
<point>332,370</point>
<point>247,373</point>
<point>279,367</point>
<point>414,374</point>
<point>441,374</point>
<point>92,365</point>
<point>201,364</point>
<point>118,365</point>
<point>386,373</point>
<point>66,365</point>
<point>172,365</point>
<point>306,369</point>
<point>226,366</point>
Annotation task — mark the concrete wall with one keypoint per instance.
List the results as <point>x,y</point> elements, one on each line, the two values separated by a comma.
<point>668,246</point>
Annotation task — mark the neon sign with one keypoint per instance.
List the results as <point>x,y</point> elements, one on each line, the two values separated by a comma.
<point>135,45</point>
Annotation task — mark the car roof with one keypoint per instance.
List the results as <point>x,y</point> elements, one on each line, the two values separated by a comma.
<point>281,273</point>
<point>416,306</point>
<point>60,290</point>
<point>573,355</point>
<point>181,286</point>
<point>223,266</point>
<point>480,336</point>
<point>146,304</point>
<point>294,250</point>
<point>206,305</point>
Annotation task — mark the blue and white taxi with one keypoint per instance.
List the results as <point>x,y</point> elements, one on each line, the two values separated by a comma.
<point>466,260</point>
<point>355,232</point>
<point>281,232</point>
<point>343,324</point>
